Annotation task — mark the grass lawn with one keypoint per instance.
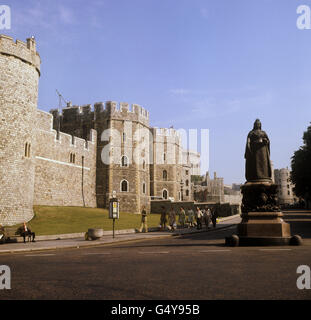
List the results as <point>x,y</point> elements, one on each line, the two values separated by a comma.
<point>61,220</point>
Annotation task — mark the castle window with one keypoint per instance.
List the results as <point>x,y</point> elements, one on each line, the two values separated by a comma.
<point>144,188</point>
<point>187,172</point>
<point>164,157</point>
<point>164,175</point>
<point>124,161</point>
<point>164,194</point>
<point>123,136</point>
<point>72,158</point>
<point>144,164</point>
<point>187,193</point>
<point>187,183</point>
<point>124,186</point>
<point>27,150</point>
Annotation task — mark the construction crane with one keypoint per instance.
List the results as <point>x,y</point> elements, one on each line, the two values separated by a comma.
<point>60,99</point>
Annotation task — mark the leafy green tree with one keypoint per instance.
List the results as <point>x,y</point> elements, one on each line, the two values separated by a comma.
<point>301,168</point>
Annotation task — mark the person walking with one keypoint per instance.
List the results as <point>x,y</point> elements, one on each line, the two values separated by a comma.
<point>172,219</point>
<point>215,215</point>
<point>190,218</point>
<point>199,216</point>
<point>207,216</point>
<point>163,220</point>
<point>182,217</point>
<point>143,220</point>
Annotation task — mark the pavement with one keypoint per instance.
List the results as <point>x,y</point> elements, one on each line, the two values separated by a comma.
<point>68,241</point>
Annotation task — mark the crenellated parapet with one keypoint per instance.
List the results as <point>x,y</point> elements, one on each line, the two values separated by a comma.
<point>73,118</point>
<point>112,108</point>
<point>45,126</point>
<point>24,51</point>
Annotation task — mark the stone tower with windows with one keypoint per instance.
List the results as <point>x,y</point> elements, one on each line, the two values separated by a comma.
<point>20,72</point>
<point>122,157</point>
<point>166,179</point>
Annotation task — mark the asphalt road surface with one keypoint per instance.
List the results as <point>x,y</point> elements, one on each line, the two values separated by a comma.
<point>192,267</point>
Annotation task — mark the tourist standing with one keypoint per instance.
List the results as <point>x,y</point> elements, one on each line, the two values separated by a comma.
<point>215,214</point>
<point>199,216</point>
<point>182,217</point>
<point>207,216</point>
<point>143,220</point>
<point>163,220</point>
<point>190,218</point>
<point>172,219</point>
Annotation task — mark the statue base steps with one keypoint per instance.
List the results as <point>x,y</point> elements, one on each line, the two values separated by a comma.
<point>263,229</point>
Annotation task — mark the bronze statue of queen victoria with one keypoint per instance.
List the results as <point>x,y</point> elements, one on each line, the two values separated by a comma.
<point>257,155</point>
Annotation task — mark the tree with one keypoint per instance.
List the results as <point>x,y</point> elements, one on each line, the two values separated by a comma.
<point>301,169</point>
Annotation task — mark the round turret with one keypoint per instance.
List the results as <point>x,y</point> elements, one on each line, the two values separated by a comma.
<point>19,79</point>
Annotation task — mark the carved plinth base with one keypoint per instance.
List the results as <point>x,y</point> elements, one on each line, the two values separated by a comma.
<point>262,222</point>
<point>263,228</point>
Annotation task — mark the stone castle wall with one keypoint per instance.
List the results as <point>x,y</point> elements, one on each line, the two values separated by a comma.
<point>167,156</point>
<point>59,181</point>
<point>19,78</point>
<point>56,159</point>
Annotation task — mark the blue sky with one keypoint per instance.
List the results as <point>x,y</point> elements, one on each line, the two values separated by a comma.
<point>214,65</point>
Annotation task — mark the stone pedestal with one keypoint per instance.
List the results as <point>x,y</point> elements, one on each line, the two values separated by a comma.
<point>263,228</point>
<point>262,221</point>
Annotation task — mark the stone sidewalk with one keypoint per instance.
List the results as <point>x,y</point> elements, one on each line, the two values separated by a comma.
<point>56,242</point>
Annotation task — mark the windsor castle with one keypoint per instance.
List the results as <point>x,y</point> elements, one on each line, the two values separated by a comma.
<point>82,155</point>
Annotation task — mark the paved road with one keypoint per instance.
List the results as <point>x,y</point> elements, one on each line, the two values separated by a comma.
<point>196,266</point>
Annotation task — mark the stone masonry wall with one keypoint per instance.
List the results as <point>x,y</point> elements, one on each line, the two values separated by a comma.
<point>58,182</point>
<point>19,78</point>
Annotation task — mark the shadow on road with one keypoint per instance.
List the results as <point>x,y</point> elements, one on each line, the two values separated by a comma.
<point>205,239</point>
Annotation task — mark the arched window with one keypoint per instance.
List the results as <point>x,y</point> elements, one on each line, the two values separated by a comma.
<point>164,175</point>
<point>72,158</point>
<point>164,194</point>
<point>27,150</point>
<point>187,193</point>
<point>124,161</point>
<point>187,183</point>
<point>124,186</point>
<point>144,188</point>
<point>144,164</point>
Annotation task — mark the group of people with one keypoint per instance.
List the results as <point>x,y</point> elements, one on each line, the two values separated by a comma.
<point>188,219</point>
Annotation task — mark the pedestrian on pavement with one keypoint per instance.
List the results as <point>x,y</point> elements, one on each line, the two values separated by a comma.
<point>163,220</point>
<point>190,218</point>
<point>215,214</point>
<point>199,216</point>
<point>143,220</point>
<point>172,219</point>
<point>207,217</point>
<point>182,217</point>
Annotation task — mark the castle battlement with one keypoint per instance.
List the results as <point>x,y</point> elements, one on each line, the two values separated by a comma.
<point>45,124</point>
<point>25,51</point>
<point>72,141</point>
<point>113,107</point>
<point>167,132</point>
<point>101,110</point>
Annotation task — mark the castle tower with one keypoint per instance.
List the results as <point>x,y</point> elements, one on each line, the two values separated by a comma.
<point>166,168</point>
<point>20,71</point>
